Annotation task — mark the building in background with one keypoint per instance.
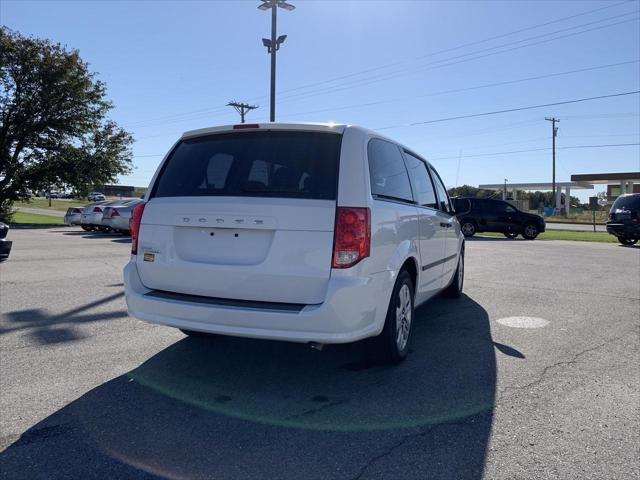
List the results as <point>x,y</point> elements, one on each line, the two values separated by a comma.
<point>617,183</point>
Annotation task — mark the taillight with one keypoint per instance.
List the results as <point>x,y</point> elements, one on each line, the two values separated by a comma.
<point>76,210</point>
<point>351,237</point>
<point>97,210</point>
<point>134,226</point>
<point>115,213</point>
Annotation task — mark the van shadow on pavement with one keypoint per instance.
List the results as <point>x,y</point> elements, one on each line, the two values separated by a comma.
<point>238,408</point>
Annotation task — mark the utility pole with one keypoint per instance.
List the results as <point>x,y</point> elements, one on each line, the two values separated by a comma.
<point>241,108</point>
<point>554,133</point>
<point>273,45</point>
<point>504,195</point>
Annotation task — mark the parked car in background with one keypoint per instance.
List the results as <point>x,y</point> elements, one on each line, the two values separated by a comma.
<point>73,216</point>
<point>304,233</point>
<point>117,216</point>
<point>96,196</point>
<point>91,216</point>
<point>5,245</point>
<point>488,215</point>
<point>624,219</point>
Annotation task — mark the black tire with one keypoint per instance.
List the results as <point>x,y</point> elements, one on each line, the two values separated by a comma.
<point>86,228</point>
<point>389,347</point>
<point>454,290</point>
<point>468,228</point>
<point>104,229</point>
<point>530,231</point>
<point>627,241</point>
<point>510,234</point>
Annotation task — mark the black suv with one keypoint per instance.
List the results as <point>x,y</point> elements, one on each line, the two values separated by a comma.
<point>486,215</point>
<point>624,219</point>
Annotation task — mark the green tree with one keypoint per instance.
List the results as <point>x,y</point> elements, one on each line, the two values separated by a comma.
<point>54,129</point>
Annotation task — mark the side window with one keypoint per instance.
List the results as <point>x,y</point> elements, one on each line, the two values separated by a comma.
<point>217,171</point>
<point>422,187</point>
<point>387,171</point>
<point>443,197</point>
<point>492,207</point>
<point>502,207</point>
<point>462,205</point>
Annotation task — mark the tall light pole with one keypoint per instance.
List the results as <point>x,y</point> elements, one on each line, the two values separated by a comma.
<point>273,45</point>
<point>554,134</point>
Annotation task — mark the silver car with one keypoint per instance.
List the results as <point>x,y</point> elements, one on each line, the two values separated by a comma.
<point>91,216</point>
<point>73,216</point>
<point>116,217</point>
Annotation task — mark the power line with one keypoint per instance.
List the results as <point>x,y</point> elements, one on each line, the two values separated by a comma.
<point>477,42</point>
<point>508,110</point>
<point>465,89</point>
<point>204,112</point>
<point>442,63</point>
<point>544,149</point>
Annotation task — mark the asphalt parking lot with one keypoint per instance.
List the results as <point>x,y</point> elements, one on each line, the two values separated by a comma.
<point>88,392</point>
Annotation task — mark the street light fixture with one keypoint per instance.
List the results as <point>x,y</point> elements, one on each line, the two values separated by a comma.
<point>273,45</point>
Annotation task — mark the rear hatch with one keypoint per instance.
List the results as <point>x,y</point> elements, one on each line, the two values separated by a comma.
<point>245,215</point>
<point>625,208</point>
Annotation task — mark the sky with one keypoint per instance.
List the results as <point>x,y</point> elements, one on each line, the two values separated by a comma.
<point>172,66</point>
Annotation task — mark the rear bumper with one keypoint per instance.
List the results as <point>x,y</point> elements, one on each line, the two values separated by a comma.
<point>354,308</point>
<point>72,219</point>
<point>117,223</point>
<point>627,230</point>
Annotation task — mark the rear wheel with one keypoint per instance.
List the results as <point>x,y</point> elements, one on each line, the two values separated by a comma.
<point>627,241</point>
<point>468,228</point>
<point>454,289</point>
<point>530,231</point>
<point>510,234</point>
<point>104,229</point>
<point>86,228</point>
<point>392,345</point>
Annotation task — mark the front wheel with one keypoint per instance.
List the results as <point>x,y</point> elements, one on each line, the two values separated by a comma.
<point>627,241</point>
<point>392,345</point>
<point>468,228</point>
<point>530,231</point>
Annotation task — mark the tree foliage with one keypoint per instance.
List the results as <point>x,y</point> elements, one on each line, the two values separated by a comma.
<point>54,131</point>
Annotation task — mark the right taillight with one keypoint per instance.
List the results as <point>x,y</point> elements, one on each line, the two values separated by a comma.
<point>134,226</point>
<point>97,210</point>
<point>352,236</point>
<point>115,213</point>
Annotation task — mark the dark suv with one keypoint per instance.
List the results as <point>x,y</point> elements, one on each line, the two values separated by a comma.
<point>486,215</point>
<point>624,219</point>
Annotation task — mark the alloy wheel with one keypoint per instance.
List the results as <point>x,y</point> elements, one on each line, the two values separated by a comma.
<point>403,317</point>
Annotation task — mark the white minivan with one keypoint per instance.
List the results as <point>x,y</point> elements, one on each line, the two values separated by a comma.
<point>298,232</point>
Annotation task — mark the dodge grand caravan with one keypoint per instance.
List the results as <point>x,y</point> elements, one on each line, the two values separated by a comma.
<point>304,233</point>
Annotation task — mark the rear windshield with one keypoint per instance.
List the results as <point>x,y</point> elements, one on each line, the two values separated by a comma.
<point>253,164</point>
<point>626,202</point>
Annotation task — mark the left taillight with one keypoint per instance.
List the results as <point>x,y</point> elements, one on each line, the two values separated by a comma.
<point>134,226</point>
<point>351,237</point>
